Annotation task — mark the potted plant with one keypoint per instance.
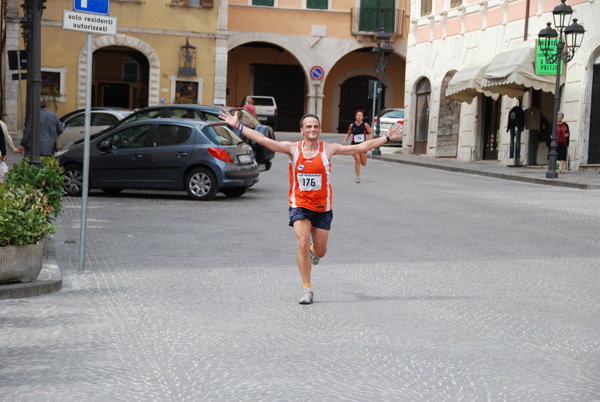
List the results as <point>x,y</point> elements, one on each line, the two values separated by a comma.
<point>30,199</point>
<point>50,93</point>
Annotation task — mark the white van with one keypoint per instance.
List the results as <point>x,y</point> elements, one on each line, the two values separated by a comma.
<point>266,109</point>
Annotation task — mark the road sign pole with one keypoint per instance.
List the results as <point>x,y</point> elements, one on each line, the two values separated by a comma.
<point>86,151</point>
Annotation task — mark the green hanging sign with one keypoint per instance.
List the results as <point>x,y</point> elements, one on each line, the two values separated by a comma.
<point>541,66</point>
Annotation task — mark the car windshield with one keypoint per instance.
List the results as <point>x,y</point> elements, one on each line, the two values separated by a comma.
<point>394,114</point>
<point>263,101</point>
<point>221,135</point>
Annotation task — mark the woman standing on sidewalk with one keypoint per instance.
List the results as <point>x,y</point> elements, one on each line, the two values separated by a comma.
<point>562,141</point>
<point>359,130</point>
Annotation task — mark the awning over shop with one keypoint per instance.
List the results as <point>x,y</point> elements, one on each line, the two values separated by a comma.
<point>466,84</point>
<point>512,73</point>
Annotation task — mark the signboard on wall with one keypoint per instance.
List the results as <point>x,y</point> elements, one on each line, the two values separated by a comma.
<point>542,67</point>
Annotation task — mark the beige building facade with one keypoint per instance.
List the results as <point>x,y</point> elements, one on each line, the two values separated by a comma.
<point>242,47</point>
<point>469,38</point>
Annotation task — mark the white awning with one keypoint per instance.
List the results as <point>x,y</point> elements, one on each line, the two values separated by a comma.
<point>466,84</point>
<point>512,73</point>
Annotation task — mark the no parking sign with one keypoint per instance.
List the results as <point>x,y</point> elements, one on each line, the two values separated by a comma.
<point>316,73</point>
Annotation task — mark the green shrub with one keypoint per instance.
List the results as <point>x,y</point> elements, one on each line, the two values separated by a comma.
<point>29,198</point>
<point>48,177</point>
<point>24,215</point>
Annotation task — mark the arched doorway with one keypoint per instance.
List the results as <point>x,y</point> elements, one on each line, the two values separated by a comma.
<point>422,116</point>
<point>354,94</point>
<point>260,68</point>
<point>120,78</point>
<point>594,147</point>
<point>448,123</point>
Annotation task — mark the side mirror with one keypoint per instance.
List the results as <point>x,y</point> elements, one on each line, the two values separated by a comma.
<point>104,146</point>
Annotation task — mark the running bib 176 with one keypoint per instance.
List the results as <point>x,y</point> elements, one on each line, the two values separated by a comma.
<point>309,182</point>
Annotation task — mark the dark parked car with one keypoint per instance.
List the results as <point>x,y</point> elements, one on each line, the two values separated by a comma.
<point>200,157</point>
<point>262,154</point>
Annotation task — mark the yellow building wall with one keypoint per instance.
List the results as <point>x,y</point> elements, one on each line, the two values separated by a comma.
<point>161,29</point>
<point>289,21</point>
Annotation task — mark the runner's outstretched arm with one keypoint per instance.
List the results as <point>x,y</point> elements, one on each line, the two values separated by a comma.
<point>285,147</point>
<point>393,133</point>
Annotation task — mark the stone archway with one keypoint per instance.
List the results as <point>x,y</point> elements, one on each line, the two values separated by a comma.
<point>124,41</point>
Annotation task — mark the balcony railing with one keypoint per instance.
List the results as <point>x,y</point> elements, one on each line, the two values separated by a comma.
<point>368,20</point>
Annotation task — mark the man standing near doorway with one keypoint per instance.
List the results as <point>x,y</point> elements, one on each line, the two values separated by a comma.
<point>310,195</point>
<point>50,129</point>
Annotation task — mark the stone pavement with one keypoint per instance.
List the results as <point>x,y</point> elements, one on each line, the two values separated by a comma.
<point>528,174</point>
<point>441,287</point>
<point>50,281</point>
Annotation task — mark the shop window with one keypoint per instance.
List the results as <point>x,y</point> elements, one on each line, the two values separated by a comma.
<point>53,83</point>
<point>130,71</point>
<point>186,92</point>
<point>317,4</point>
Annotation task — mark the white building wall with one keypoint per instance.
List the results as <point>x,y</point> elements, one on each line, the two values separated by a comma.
<point>434,58</point>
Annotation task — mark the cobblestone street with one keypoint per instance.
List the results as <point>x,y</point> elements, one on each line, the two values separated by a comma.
<point>437,286</point>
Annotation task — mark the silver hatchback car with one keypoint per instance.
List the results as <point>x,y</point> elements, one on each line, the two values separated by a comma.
<point>202,158</point>
<point>101,119</point>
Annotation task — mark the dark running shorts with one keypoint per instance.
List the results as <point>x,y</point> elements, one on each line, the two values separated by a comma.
<point>321,220</point>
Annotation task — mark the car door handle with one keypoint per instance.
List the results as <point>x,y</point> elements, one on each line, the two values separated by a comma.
<point>136,156</point>
<point>180,154</point>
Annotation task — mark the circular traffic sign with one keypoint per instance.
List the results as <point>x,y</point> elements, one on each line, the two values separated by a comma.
<point>316,73</point>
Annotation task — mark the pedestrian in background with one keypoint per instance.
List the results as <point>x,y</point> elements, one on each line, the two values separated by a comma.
<point>562,141</point>
<point>2,144</point>
<point>249,106</point>
<point>359,130</point>
<point>7,138</point>
<point>310,195</point>
<point>50,129</point>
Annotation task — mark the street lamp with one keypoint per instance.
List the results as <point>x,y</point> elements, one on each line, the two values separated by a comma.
<point>573,36</point>
<point>382,53</point>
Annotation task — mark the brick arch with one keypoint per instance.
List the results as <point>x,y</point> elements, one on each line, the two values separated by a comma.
<point>125,41</point>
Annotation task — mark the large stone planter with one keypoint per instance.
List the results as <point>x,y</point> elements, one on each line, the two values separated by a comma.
<point>21,263</point>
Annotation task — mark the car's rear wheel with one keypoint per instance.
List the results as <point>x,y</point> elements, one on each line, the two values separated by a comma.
<point>234,191</point>
<point>73,180</point>
<point>201,184</point>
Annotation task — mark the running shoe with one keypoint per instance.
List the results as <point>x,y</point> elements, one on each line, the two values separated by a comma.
<point>357,180</point>
<point>307,297</point>
<point>313,257</point>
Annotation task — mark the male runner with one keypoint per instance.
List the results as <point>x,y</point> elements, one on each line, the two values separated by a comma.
<point>310,187</point>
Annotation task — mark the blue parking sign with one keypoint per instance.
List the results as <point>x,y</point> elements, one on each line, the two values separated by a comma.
<point>91,6</point>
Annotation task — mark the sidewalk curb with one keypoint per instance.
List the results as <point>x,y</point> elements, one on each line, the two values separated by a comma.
<point>505,176</point>
<point>49,280</point>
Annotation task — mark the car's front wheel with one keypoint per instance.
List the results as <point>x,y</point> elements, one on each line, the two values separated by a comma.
<point>73,180</point>
<point>201,184</point>
<point>234,191</point>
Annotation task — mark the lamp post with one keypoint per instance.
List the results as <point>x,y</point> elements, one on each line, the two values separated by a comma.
<point>569,39</point>
<point>382,54</point>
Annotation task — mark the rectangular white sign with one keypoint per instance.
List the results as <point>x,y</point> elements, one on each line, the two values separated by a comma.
<point>90,23</point>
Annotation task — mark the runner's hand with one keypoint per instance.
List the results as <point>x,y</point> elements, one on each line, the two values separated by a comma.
<point>396,131</point>
<point>229,118</point>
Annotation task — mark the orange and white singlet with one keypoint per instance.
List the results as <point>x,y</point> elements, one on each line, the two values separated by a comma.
<point>310,184</point>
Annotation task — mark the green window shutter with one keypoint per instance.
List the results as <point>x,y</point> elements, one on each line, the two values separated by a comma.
<point>270,3</point>
<point>375,14</point>
<point>318,4</point>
